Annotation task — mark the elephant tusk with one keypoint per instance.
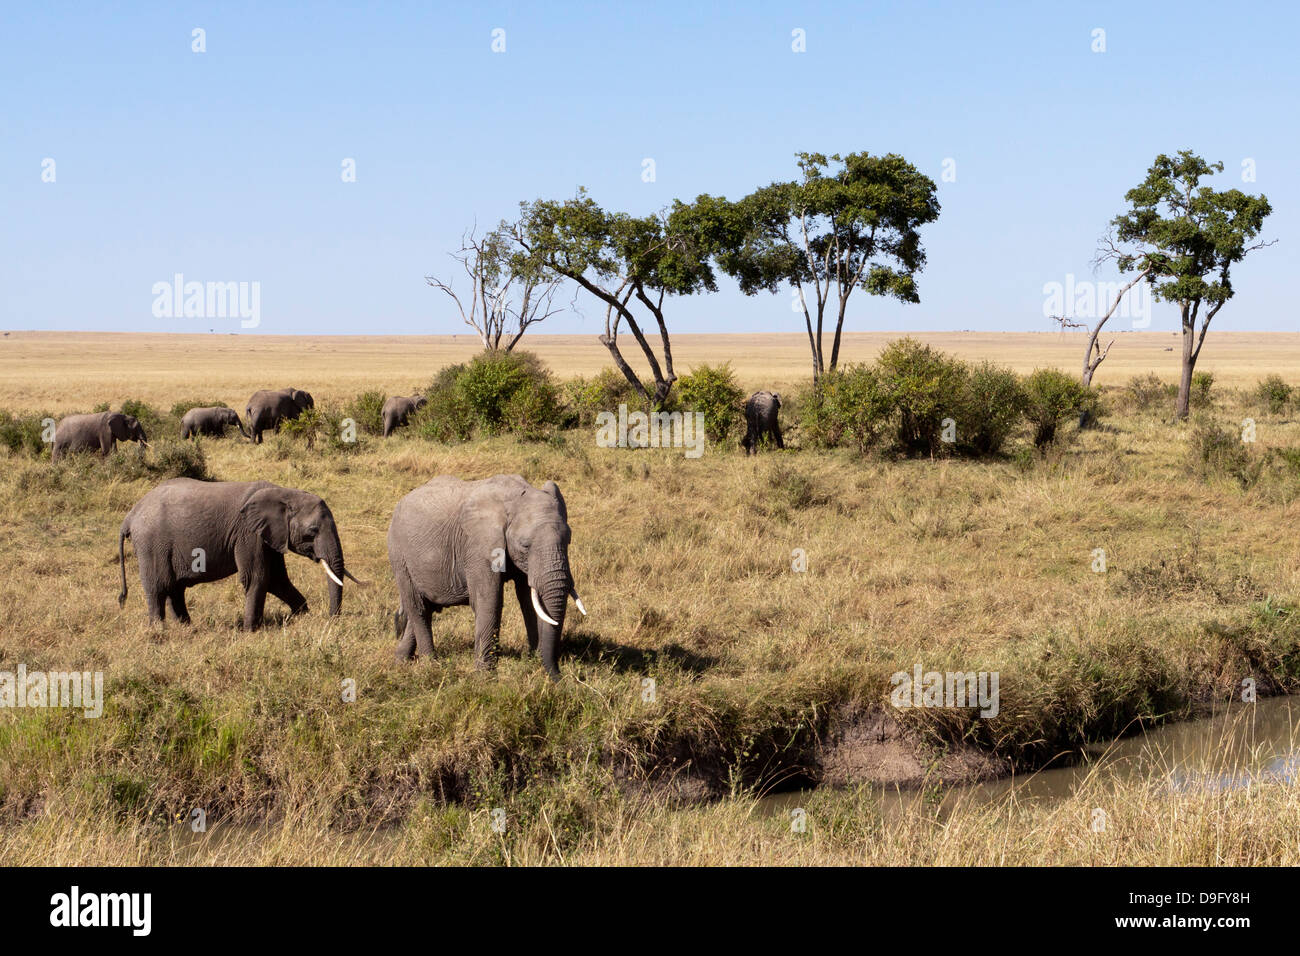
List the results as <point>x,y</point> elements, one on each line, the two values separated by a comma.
<point>537,606</point>
<point>578,601</point>
<point>355,579</point>
<point>331,573</point>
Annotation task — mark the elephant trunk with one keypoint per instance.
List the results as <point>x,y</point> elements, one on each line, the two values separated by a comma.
<point>240,425</point>
<point>551,582</point>
<point>329,552</point>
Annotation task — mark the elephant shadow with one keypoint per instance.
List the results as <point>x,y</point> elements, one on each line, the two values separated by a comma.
<point>593,649</point>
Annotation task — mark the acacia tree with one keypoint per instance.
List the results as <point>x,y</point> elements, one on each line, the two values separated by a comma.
<point>509,291</point>
<point>1187,237</point>
<point>827,234</point>
<point>621,260</point>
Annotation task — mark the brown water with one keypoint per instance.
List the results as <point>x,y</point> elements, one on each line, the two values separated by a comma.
<point>1244,745</point>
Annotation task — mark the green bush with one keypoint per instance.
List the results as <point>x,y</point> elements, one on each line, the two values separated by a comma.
<point>587,398</point>
<point>847,408</point>
<point>155,426</point>
<point>24,434</point>
<point>991,409</point>
<point>1150,393</point>
<point>1052,397</point>
<point>1217,451</point>
<point>925,386</point>
<point>1274,393</point>
<point>495,392</point>
<point>367,410</point>
<point>323,427</point>
<point>1202,389</point>
<point>712,389</point>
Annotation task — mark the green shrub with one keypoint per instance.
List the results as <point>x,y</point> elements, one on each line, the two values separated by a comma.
<point>1150,393</point>
<point>991,409</point>
<point>847,408</point>
<point>495,392</point>
<point>24,434</point>
<point>1218,451</point>
<point>1274,393</point>
<point>367,410</point>
<point>925,386</point>
<point>712,389</point>
<point>147,415</point>
<point>1202,387</point>
<point>587,398</point>
<point>323,427</point>
<point>1052,397</point>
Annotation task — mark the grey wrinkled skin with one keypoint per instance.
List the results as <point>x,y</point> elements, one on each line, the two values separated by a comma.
<point>97,432</point>
<point>241,526</point>
<point>762,419</point>
<point>441,545</point>
<point>398,408</point>
<point>267,409</point>
<point>210,421</point>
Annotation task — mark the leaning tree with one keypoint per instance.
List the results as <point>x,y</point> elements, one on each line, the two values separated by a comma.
<point>508,292</point>
<point>1186,238</point>
<point>854,224</point>
<point>629,263</point>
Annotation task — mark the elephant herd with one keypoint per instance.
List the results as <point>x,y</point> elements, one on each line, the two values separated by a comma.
<point>450,542</point>
<point>266,410</point>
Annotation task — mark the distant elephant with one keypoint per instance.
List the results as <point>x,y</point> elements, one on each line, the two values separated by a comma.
<point>97,432</point>
<point>188,532</point>
<point>397,409</point>
<point>267,409</point>
<point>210,421</point>
<point>762,419</point>
<point>457,542</point>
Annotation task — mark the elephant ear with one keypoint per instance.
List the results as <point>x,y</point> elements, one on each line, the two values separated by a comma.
<point>266,516</point>
<point>552,489</point>
<point>483,536</point>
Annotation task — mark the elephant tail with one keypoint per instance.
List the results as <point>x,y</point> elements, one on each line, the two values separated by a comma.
<point>121,560</point>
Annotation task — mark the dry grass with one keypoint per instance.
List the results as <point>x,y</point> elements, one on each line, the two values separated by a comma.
<point>685,566</point>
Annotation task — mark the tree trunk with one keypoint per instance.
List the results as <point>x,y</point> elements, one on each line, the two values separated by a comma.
<point>1189,363</point>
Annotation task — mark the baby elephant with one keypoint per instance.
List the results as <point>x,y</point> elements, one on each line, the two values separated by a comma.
<point>398,409</point>
<point>761,420</point>
<point>188,532</point>
<point>98,432</point>
<point>210,421</point>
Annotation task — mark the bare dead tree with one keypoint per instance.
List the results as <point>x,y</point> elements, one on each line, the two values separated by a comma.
<point>1094,354</point>
<point>508,292</point>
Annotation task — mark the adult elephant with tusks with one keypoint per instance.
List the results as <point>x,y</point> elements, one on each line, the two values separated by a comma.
<point>210,421</point>
<point>457,542</point>
<point>267,408</point>
<point>99,432</point>
<point>188,532</point>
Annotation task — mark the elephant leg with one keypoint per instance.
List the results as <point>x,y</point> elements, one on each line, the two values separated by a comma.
<point>176,602</point>
<point>278,583</point>
<point>523,593</point>
<point>254,605</point>
<point>776,431</point>
<point>486,601</point>
<point>155,600</point>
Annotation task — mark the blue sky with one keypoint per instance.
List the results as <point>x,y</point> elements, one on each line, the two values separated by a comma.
<point>226,165</point>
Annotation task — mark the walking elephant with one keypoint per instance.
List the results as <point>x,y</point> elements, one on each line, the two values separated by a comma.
<point>398,409</point>
<point>267,409</point>
<point>210,421</point>
<point>762,420</point>
<point>188,532</point>
<point>457,542</point>
<point>97,432</point>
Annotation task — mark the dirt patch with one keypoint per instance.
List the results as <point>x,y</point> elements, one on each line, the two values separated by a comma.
<point>874,748</point>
